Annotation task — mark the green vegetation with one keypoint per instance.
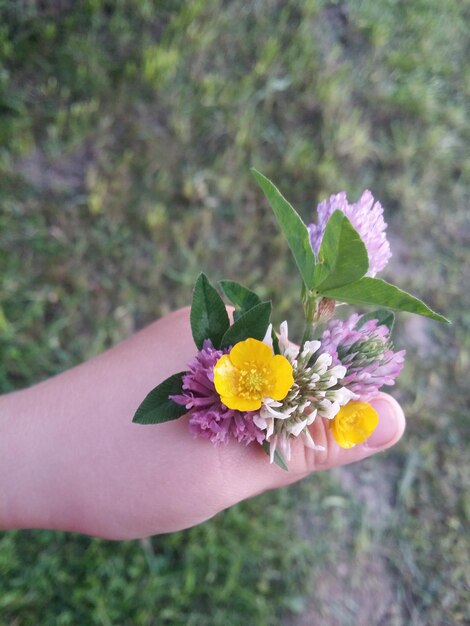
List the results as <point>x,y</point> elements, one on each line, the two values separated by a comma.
<point>127,132</point>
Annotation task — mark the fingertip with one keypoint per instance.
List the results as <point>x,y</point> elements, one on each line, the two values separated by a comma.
<point>391,425</point>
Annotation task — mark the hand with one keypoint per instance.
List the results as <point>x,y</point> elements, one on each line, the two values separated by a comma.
<point>71,458</point>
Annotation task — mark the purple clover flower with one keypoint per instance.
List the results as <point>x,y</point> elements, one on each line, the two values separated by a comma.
<point>367,218</point>
<point>366,352</point>
<point>208,417</point>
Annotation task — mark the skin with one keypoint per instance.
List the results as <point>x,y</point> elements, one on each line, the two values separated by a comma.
<point>71,458</point>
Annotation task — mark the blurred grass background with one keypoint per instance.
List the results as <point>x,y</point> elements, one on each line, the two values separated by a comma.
<point>127,130</point>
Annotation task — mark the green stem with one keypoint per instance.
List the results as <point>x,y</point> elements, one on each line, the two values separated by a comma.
<point>310,301</point>
<point>308,334</point>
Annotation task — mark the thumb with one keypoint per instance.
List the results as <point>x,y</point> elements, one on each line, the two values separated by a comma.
<point>255,474</point>
<point>388,432</point>
<point>304,461</point>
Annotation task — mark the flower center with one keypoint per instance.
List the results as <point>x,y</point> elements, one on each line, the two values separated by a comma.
<point>253,379</point>
<point>351,420</point>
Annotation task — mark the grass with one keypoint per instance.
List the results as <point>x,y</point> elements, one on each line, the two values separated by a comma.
<point>126,135</point>
<point>199,577</point>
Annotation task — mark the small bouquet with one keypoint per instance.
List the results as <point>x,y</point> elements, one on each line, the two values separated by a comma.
<point>250,383</point>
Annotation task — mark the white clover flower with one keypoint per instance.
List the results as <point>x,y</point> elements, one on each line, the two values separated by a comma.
<point>269,413</point>
<point>287,349</point>
<point>268,337</point>
<point>315,392</point>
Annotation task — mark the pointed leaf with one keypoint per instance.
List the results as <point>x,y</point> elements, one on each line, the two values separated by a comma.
<point>375,291</point>
<point>276,348</point>
<point>209,318</point>
<point>383,317</point>
<point>292,226</point>
<point>278,458</point>
<point>342,258</point>
<point>253,323</point>
<point>157,407</point>
<point>241,297</point>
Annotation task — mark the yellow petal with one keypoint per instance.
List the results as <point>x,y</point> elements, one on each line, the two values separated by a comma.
<point>250,351</point>
<point>242,404</point>
<point>283,377</point>
<point>225,377</point>
<point>354,423</point>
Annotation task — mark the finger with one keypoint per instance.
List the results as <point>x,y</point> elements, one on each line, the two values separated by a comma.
<point>256,474</point>
<point>388,432</point>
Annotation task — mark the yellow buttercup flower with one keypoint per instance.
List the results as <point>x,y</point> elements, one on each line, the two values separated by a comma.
<point>354,423</point>
<point>250,373</point>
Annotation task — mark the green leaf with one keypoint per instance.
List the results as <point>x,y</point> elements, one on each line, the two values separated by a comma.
<point>253,323</point>
<point>209,318</point>
<point>375,291</point>
<point>383,317</point>
<point>157,406</point>
<point>342,258</point>
<point>241,297</point>
<point>278,458</point>
<point>292,226</point>
<point>246,299</point>
<point>276,348</point>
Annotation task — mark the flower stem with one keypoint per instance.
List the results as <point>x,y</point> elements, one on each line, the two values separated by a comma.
<point>308,334</point>
<point>310,300</point>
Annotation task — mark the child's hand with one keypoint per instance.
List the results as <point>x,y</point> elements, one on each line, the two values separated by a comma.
<point>71,458</point>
